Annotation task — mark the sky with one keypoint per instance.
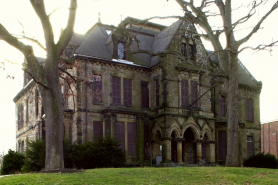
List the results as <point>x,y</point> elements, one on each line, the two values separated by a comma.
<point>19,18</point>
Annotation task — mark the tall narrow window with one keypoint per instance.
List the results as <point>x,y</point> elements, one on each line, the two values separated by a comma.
<point>97,91</point>
<point>116,90</point>
<point>250,146</point>
<point>127,92</point>
<point>146,140</point>
<point>222,145</point>
<point>120,134</point>
<point>20,118</point>
<point>37,102</point>
<point>27,111</point>
<point>131,130</point>
<point>183,49</point>
<point>184,93</point>
<point>144,95</point>
<point>222,106</point>
<point>121,51</point>
<point>249,109</point>
<point>157,92</point>
<point>98,129</point>
<point>194,93</point>
<point>191,51</point>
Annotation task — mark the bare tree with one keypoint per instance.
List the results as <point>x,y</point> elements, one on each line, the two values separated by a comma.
<point>47,77</point>
<point>199,15</point>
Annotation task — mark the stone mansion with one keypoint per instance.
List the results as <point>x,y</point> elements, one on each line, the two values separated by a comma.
<point>158,91</point>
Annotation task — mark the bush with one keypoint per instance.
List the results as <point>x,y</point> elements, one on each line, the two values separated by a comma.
<point>103,152</point>
<point>12,162</point>
<point>261,160</point>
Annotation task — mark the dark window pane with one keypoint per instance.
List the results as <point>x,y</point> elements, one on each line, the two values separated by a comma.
<point>157,92</point>
<point>191,51</point>
<point>131,129</point>
<point>120,134</point>
<point>116,90</point>
<point>144,95</point>
<point>249,109</point>
<point>183,49</point>
<point>127,92</point>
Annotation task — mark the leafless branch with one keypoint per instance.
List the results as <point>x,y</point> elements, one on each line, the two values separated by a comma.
<point>53,11</point>
<point>34,78</point>
<point>261,47</point>
<point>256,28</point>
<point>32,40</point>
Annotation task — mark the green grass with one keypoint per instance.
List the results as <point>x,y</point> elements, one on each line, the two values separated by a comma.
<point>192,175</point>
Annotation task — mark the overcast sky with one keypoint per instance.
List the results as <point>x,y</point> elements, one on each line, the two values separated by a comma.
<point>17,15</point>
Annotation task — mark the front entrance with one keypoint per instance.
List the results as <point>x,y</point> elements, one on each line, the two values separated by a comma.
<point>189,147</point>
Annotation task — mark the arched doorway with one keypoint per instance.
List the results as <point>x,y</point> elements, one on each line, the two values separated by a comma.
<point>189,147</point>
<point>174,147</point>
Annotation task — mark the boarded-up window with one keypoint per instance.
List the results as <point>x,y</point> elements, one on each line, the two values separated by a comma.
<point>120,134</point>
<point>116,90</point>
<point>250,146</point>
<point>222,145</point>
<point>144,95</point>
<point>222,106</point>
<point>183,49</point>
<point>97,91</point>
<point>131,131</point>
<point>194,93</point>
<point>98,129</point>
<point>157,93</point>
<point>20,118</point>
<point>146,140</point>
<point>249,109</point>
<point>184,93</point>
<point>127,92</point>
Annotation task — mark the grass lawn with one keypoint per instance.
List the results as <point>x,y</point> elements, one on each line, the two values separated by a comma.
<point>192,175</point>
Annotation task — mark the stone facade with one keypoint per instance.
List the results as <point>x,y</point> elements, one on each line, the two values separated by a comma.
<point>270,138</point>
<point>160,95</point>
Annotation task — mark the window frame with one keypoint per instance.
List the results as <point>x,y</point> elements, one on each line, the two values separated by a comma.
<point>127,92</point>
<point>249,109</point>
<point>116,93</point>
<point>145,100</point>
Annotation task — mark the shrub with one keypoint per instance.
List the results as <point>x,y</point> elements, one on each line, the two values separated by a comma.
<point>103,152</point>
<point>262,160</point>
<point>35,156</point>
<point>12,162</point>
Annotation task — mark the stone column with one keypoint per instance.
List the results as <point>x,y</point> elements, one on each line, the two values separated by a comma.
<point>199,151</point>
<point>212,152</point>
<point>166,150</point>
<point>179,150</point>
<point>140,139</point>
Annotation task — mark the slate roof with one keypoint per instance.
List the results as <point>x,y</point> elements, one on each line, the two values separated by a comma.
<point>245,77</point>
<point>153,39</point>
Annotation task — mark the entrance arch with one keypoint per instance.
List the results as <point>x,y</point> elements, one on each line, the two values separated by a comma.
<point>189,147</point>
<point>174,136</point>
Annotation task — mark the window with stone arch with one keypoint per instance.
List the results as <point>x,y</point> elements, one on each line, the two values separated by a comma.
<point>121,51</point>
<point>191,50</point>
<point>183,47</point>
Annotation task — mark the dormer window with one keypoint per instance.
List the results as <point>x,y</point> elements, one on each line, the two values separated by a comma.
<point>121,51</point>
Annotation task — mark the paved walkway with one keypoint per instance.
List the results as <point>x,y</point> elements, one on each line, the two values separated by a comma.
<point>4,176</point>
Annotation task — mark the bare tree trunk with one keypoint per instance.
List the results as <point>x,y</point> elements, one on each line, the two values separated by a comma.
<point>53,106</point>
<point>232,132</point>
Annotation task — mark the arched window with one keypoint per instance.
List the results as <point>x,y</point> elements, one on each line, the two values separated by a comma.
<point>183,47</point>
<point>121,51</point>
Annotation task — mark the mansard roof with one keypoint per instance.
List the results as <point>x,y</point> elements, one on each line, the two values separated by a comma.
<point>146,41</point>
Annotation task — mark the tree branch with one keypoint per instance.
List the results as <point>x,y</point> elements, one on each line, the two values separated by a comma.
<point>256,28</point>
<point>261,47</point>
<point>68,32</point>
<point>32,40</point>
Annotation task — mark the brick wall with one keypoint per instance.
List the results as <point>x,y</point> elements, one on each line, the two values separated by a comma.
<point>270,138</point>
